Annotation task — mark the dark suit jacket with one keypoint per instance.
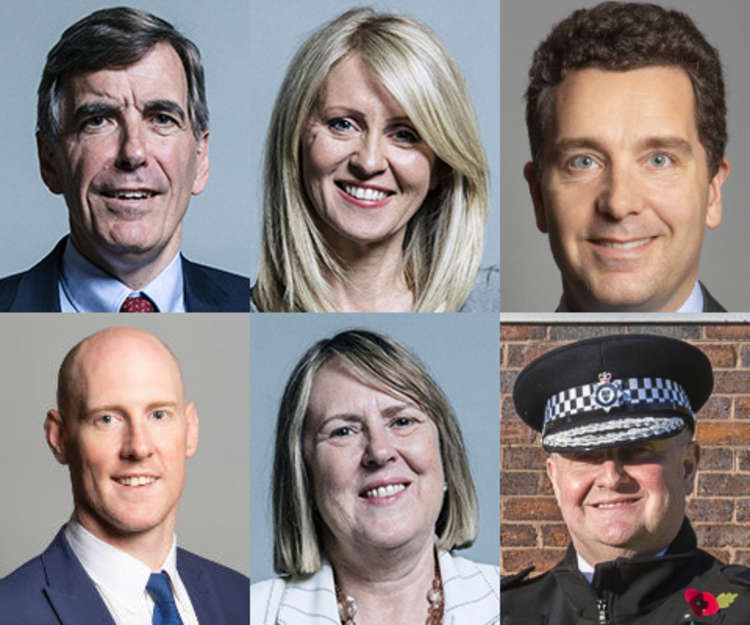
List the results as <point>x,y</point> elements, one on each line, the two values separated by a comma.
<point>709,302</point>
<point>54,589</point>
<point>206,289</point>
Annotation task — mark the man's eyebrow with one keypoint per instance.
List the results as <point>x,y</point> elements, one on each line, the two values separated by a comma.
<point>92,109</point>
<point>647,143</point>
<point>576,143</point>
<point>667,143</point>
<point>165,106</point>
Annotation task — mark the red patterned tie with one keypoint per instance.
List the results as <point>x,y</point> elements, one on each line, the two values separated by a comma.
<point>137,304</point>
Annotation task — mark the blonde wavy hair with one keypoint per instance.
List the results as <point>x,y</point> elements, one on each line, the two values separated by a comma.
<point>443,242</point>
<point>389,367</point>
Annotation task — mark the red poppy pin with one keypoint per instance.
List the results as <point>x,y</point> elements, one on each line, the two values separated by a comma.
<point>705,603</point>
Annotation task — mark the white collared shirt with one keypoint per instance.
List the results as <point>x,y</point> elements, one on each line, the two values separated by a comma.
<point>83,287</point>
<point>121,579</point>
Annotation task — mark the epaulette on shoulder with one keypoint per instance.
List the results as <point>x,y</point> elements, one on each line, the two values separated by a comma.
<point>517,579</point>
<point>738,574</point>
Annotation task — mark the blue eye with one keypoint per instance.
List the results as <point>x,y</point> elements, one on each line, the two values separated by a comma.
<point>339,123</point>
<point>583,162</point>
<point>159,415</point>
<point>660,160</point>
<point>342,432</point>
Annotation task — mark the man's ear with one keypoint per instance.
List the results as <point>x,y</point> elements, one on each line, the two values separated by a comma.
<point>54,432</point>
<point>690,461</point>
<point>714,208</point>
<point>191,415</point>
<point>552,472</point>
<point>202,169</point>
<point>535,190</point>
<point>49,165</point>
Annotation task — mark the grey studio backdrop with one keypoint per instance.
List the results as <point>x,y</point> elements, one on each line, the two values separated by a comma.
<point>470,31</point>
<point>213,518</point>
<point>460,351</point>
<point>531,280</point>
<point>218,221</point>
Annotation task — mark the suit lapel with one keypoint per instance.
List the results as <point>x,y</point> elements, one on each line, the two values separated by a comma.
<point>200,588</point>
<point>710,304</point>
<point>37,290</point>
<point>69,590</point>
<point>201,293</point>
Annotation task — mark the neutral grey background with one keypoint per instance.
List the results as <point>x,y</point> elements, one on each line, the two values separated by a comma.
<point>461,352</point>
<point>470,31</point>
<point>530,278</point>
<point>218,221</point>
<point>214,514</point>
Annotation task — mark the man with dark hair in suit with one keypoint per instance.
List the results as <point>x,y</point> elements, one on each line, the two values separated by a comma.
<point>626,118</point>
<point>124,429</point>
<point>122,134</point>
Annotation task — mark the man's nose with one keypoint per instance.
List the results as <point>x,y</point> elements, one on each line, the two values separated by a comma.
<point>132,149</point>
<point>368,157</point>
<point>379,448</point>
<point>611,472</point>
<point>137,443</point>
<point>621,195</point>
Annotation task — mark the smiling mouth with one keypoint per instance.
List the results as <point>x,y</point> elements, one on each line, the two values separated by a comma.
<point>623,245</point>
<point>383,491</point>
<point>366,194</point>
<point>611,505</point>
<point>136,480</point>
<point>129,195</point>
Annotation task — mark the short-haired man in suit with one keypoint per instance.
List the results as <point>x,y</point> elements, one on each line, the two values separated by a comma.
<point>125,430</point>
<point>627,123</point>
<point>617,417</point>
<point>122,134</point>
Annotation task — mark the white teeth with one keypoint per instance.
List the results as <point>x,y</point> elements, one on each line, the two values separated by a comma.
<point>362,193</point>
<point>625,246</point>
<point>612,505</point>
<point>140,480</point>
<point>133,195</point>
<point>385,491</point>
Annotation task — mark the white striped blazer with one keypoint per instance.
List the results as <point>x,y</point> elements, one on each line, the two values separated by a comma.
<point>472,596</point>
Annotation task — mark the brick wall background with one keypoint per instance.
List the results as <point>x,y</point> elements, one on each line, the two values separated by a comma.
<point>532,531</point>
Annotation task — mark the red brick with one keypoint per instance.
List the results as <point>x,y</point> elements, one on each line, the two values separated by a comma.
<point>728,331</point>
<point>713,433</point>
<point>745,355</point>
<point>507,409</point>
<point>507,380</point>
<point>743,511</point>
<point>525,457</point>
<point>716,408</point>
<point>522,332</point>
<point>545,486</point>
<point>729,382</point>
<point>530,509</point>
<point>555,535</point>
<point>517,536</point>
<point>710,510</point>
<point>519,483</point>
<point>723,536</point>
<point>716,459</point>
<point>515,560</point>
<point>723,484</point>
<point>743,459</point>
<point>516,431</point>
<point>521,355</point>
<point>741,556</point>
<point>720,355</point>
<point>742,407</point>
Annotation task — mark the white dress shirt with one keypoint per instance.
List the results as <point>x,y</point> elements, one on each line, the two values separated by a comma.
<point>83,287</point>
<point>121,579</point>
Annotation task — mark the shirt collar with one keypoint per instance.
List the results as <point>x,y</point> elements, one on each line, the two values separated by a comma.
<point>122,575</point>
<point>86,288</point>
<point>693,304</point>
<point>588,571</point>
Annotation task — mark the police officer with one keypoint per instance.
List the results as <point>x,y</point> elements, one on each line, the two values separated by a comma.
<point>617,417</point>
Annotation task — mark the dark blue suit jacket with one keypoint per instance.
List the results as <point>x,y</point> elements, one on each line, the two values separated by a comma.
<point>206,289</point>
<point>54,589</point>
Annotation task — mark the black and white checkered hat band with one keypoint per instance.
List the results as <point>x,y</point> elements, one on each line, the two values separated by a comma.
<point>628,394</point>
<point>613,432</point>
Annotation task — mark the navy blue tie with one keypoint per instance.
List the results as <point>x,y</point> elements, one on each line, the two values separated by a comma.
<point>165,610</point>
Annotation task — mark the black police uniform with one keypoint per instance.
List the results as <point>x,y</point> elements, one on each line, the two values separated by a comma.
<point>639,591</point>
